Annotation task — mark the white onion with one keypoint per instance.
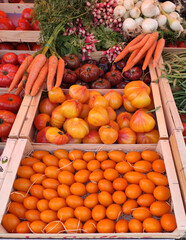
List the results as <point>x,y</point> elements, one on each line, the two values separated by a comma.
<point>127,15</point>
<point>175,15</point>
<point>168,6</point>
<point>138,4</point>
<point>119,11</point>
<point>139,21</point>
<point>148,8</point>
<point>162,20</point>
<point>119,2</point>
<point>135,12</point>
<point>176,26</point>
<point>149,25</point>
<point>129,24</point>
<point>157,12</point>
<point>128,4</point>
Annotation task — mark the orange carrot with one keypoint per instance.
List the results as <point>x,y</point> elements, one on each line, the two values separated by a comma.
<point>126,49</point>
<point>148,56</point>
<point>20,72</point>
<point>60,72</point>
<point>40,79</point>
<point>25,75</point>
<point>139,44</point>
<point>19,88</point>
<point>142,52</point>
<point>133,55</point>
<point>39,61</point>
<point>53,62</point>
<point>159,49</point>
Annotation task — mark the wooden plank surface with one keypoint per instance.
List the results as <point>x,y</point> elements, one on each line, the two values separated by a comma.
<point>19,36</point>
<point>179,153</point>
<point>15,7</point>
<point>171,112</point>
<point>6,158</point>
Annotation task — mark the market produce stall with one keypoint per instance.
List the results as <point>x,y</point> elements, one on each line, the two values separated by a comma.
<point>97,147</point>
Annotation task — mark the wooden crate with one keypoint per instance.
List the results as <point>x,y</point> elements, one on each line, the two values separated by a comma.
<point>24,148</point>
<point>5,157</point>
<point>179,153</point>
<point>14,11</point>
<point>28,130</point>
<point>172,117</point>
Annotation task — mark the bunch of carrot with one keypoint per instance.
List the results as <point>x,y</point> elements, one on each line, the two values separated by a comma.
<point>144,45</point>
<point>33,72</point>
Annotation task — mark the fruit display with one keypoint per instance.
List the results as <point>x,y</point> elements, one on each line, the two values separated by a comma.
<point>87,116</point>
<point>88,192</point>
<point>9,106</point>
<point>26,22</point>
<point>90,101</point>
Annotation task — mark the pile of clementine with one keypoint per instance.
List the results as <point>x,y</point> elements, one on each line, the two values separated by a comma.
<point>86,116</point>
<point>90,192</point>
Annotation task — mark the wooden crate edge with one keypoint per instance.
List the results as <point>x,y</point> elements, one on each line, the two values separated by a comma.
<point>178,148</point>
<point>19,36</point>
<point>5,158</point>
<point>166,93</point>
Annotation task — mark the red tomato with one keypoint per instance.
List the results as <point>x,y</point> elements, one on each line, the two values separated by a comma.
<point>6,120</point>
<point>10,102</point>
<point>41,121</point>
<point>9,58</point>
<point>6,24</point>
<point>183,117</point>
<point>171,45</point>
<point>184,126</point>
<point>23,46</point>
<point>6,46</point>
<point>14,1</point>
<point>24,24</point>
<point>35,25</point>
<point>180,44</point>
<point>41,136</point>
<point>28,14</point>
<point>7,73</point>
<point>19,29</point>
<point>36,47</point>
<point>21,57</point>
<point>3,14</point>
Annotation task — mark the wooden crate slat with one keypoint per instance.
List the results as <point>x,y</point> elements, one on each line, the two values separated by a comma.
<point>15,7</point>
<point>179,153</point>
<point>159,113</point>
<point>170,109</point>
<point>27,130</point>
<point>152,70</point>
<point>171,49</point>
<point>18,123</point>
<point>19,36</point>
<point>25,147</point>
<point>5,158</point>
<point>17,52</point>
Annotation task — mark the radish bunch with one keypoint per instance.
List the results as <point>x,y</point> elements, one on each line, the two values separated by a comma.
<point>103,13</point>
